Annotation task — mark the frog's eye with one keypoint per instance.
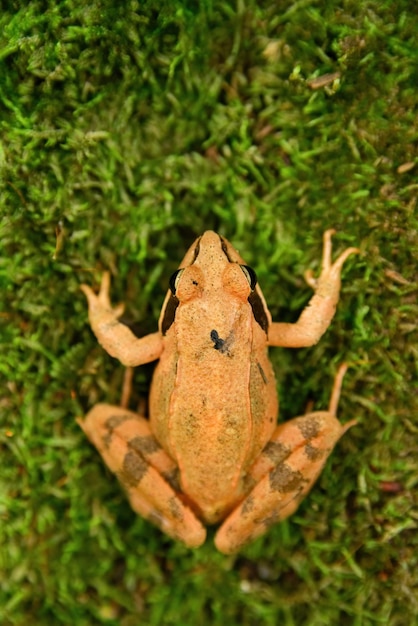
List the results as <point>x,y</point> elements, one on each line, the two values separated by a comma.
<point>250,275</point>
<point>174,281</point>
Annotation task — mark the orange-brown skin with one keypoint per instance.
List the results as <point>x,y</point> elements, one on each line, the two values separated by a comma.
<point>212,451</point>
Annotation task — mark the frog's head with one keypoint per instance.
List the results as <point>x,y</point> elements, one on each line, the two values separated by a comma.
<point>214,270</point>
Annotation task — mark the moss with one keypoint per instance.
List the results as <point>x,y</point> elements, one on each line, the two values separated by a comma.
<point>127,130</point>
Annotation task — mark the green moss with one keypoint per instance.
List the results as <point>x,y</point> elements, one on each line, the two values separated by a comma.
<point>133,127</point>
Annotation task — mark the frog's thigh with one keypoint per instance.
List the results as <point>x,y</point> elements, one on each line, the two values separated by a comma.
<point>283,474</point>
<point>147,473</point>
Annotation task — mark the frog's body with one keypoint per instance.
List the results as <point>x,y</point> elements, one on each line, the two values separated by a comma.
<point>218,350</point>
<point>212,450</point>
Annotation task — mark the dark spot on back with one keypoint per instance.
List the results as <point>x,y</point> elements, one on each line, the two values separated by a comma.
<point>272,518</point>
<point>133,470</point>
<point>115,420</point>
<point>263,376</point>
<point>175,508</point>
<point>313,454</point>
<point>173,478</point>
<point>144,445</point>
<point>111,423</point>
<point>220,344</point>
<point>248,483</point>
<point>284,479</point>
<point>247,505</point>
<point>276,451</point>
<point>107,440</point>
<point>309,428</point>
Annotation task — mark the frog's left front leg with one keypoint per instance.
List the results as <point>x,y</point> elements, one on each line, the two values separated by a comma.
<point>147,473</point>
<point>284,473</point>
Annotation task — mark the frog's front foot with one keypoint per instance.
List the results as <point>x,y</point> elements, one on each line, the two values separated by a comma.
<point>116,338</point>
<point>328,283</point>
<point>100,306</point>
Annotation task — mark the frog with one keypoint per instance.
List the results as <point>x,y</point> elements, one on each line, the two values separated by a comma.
<point>211,450</point>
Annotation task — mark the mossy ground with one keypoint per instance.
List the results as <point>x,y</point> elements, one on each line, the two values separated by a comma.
<point>132,127</point>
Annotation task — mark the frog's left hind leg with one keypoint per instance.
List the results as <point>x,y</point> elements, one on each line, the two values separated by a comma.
<point>149,476</point>
<point>284,473</point>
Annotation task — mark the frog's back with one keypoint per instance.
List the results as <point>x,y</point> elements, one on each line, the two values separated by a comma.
<point>213,401</point>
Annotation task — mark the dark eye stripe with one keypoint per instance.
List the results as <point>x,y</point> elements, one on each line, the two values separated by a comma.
<point>259,312</point>
<point>169,313</point>
<point>173,281</point>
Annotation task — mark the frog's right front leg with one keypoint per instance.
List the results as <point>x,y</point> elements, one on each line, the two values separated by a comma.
<point>147,473</point>
<point>116,338</point>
